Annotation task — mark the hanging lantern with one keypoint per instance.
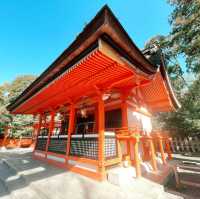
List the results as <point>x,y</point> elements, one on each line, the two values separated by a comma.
<point>106,96</point>
<point>83,111</point>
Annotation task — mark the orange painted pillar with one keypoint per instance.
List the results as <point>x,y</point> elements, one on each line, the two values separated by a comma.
<point>101,128</point>
<point>162,150</point>
<point>155,143</point>
<point>96,117</point>
<point>70,127</point>
<point>145,148</point>
<point>38,129</point>
<point>34,134</point>
<point>34,128</point>
<point>51,127</point>
<point>153,155</point>
<point>168,149</point>
<point>136,156</point>
<point>124,109</point>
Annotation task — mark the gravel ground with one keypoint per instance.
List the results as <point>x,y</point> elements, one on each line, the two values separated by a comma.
<point>25,178</point>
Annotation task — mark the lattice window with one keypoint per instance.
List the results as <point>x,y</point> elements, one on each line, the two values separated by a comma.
<point>84,147</point>
<point>41,144</point>
<point>58,145</point>
<point>88,147</point>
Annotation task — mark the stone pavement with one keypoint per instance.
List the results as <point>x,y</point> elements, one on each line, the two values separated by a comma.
<point>187,158</point>
<point>24,178</point>
<point>188,172</point>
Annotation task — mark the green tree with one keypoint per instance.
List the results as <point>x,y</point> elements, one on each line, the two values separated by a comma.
<point>186,120</point>
<point>159,47</point>
<point>16,87</point>
<point>185,34</point>
<point>184,40</point>
<point>5,117</point>
<point>8,93</point>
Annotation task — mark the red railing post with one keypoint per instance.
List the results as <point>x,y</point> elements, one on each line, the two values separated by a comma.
<point>51,127</point>
<point>70,128</point>
<point>101,138</point>
<point>39,125</point>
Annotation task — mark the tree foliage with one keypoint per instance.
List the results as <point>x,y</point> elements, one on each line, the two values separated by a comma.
<point>186,120</point>
<point>8,93</point>
<point>160,44</point>
<point>19,84</point>
<point>184,39</point>
<point>185,34</point>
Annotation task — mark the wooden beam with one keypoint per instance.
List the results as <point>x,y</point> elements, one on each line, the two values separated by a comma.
<point>110,52</point>
<point>120,80</point>
<point>83,160</point>
<point>85,172</point>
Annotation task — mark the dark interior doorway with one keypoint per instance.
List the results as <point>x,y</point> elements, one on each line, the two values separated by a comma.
<point>85,125</point>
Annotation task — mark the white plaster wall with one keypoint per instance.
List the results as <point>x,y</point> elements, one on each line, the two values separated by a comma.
<point>132,120</point>
<point>123,147</point>
<point>140,120</point>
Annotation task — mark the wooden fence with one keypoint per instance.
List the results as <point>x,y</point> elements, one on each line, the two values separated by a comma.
<point>185,145</point>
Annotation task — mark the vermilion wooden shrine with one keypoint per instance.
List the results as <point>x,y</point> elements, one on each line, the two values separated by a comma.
<point>95,101</point>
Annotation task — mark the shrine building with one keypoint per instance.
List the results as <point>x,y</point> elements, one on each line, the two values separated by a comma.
<point>93,105</point>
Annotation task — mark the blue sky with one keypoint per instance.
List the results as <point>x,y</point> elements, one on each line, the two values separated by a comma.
<point>34,32</point>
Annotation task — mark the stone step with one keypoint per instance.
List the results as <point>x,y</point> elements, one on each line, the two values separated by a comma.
<point>121,176</point>
<point>126,179</point>
<point>10,177</point>
<point>171,196</point>
<point>189,175</point>
<point>187,192</point>
<point>3,188</point>
<point>15,185</point>
<point>190,183</point>
<point>195,163</point>
<point>5,170</point>
<point>189,178</point>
